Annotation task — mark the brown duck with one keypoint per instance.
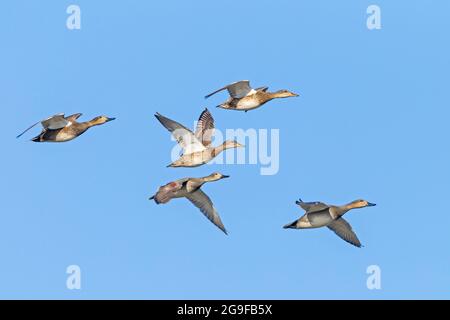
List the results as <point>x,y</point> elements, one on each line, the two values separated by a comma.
<point>244,98</point>
<point>190,188</point>
<point>59,128</point>
<point>319,215</point>
<point>197,147</point>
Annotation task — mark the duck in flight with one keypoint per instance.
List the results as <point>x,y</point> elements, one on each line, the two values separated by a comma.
<point>319,214</point>
<point>243,97</point>
<point>59,128</point>
<point>197,148</point>
<point>190,188</point>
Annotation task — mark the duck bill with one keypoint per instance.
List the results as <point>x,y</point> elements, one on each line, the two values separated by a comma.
<point>225,176</point>
<point>369,204</point>
<point>110,119</point>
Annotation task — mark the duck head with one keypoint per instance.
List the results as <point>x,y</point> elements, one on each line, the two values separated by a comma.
<point>217,176</point>
<point>101,120</point>
<point>284,94</point>
<point>229,144</point>
<point>361,204</point>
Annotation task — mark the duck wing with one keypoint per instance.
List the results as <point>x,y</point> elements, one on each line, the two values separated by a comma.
<point>311,207</point>
<point>74,117</point>
<point>167,192</point>
<point>185,137</point>
<point>53,123</point>
<point>263,89</point>
<point>204,203</point>
<point>237,90</point>
<point>344,230</point>
<point>205,128</point>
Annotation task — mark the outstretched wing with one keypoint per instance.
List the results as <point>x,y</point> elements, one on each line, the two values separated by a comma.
<point>311,207</point>
<point>205,128</point>
<point>344,230</point>
<point>167,192</point>
<point>236,90</point>
<point>204,203</point>
<point>74,117</point>
<point>56,122</point>
<point>185,137</point>
<point>53,123</point>
<point>263,89</point>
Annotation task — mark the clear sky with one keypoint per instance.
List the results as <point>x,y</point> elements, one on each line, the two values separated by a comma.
<point>371,122</point>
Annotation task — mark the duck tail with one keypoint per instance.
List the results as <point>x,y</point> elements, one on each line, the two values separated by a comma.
<point>292,225</point>
<point>154,199</point>
<point>37,139</point>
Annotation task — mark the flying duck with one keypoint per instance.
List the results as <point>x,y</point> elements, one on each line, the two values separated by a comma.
<point>319,215</point>
<point>243,97</point>
<point>59,128</point>
<point>190,188</point>
<point>197,148</point>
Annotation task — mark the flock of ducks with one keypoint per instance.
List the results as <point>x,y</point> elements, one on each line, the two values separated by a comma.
<point>197,150</point>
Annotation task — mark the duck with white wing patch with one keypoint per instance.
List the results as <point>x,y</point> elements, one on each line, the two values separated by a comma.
<point>197,148</point>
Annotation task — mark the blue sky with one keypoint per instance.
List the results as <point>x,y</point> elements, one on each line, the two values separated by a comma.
<point>371,122</point>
